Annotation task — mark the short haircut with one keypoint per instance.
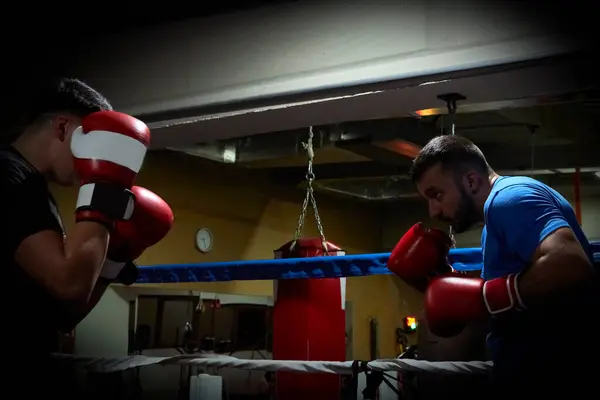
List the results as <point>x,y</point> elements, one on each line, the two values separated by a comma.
<point>451,152</point>
<point>63,95</point>
<point>66,95</point>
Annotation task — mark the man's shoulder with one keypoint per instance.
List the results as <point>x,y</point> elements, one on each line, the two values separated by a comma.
<point>14,169</point>
<point>517,183</point>
<point>514,189</point>
<point>513,193</point>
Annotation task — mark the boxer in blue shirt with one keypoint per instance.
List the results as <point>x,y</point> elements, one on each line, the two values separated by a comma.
<point>538,269</point>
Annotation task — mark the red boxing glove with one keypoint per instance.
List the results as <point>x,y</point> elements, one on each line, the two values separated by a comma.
<point>452,301</point>
<point>150,222</point>
<point>108,149</point>
<point>420,255</point>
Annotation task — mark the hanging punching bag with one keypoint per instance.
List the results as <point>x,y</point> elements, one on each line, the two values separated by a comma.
<point>309,323</point>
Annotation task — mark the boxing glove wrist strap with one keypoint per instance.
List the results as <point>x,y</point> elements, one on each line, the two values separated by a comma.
<point>111,201</point>
<point>111,269</point>
<point>502,294</point>
<point>129,274</point>
<point>124,272</point>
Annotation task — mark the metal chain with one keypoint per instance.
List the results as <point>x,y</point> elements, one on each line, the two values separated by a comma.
<point>452,114</point>
<point>309,196</point>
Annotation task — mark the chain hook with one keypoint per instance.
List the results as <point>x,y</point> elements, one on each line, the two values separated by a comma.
<point>452,100</point>
<point>309,198</point>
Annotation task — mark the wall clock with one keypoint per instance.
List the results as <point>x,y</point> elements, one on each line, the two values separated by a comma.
<point>204,240</point>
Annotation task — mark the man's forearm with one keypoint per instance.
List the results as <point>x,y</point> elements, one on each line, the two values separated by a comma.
<point>75,313</point>
<point>85,251</point>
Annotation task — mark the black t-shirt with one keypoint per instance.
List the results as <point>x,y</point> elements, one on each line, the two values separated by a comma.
<point>27,207</point>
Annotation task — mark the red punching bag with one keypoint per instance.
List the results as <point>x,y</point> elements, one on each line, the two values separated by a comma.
<point>309,323</point>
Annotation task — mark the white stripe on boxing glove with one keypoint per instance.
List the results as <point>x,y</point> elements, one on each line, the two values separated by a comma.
<point>108,146</point>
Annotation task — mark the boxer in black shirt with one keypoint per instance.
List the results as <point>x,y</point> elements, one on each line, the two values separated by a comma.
<point>52,281</point>
<point>69,135</point>
<point>27,209</point>
<point>34,234</point>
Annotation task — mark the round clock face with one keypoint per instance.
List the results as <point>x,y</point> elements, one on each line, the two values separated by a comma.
<point>204,240</point>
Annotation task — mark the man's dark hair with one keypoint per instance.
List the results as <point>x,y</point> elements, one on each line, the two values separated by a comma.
<point>65,95</point>
<point>62,95</point>
<point>451,152</point>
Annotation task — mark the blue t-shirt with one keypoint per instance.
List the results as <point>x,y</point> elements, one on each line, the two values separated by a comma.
<point>520,213</point>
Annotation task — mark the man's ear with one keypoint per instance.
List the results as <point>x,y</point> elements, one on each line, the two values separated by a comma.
<point>60,125</point>
<point>472,180</point>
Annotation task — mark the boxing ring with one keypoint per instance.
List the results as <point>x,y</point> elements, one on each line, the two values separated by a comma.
<point>308,320</point>
<point>467,259</point>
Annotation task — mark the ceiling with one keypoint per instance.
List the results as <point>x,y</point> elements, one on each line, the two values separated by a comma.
<point>545,137</point>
